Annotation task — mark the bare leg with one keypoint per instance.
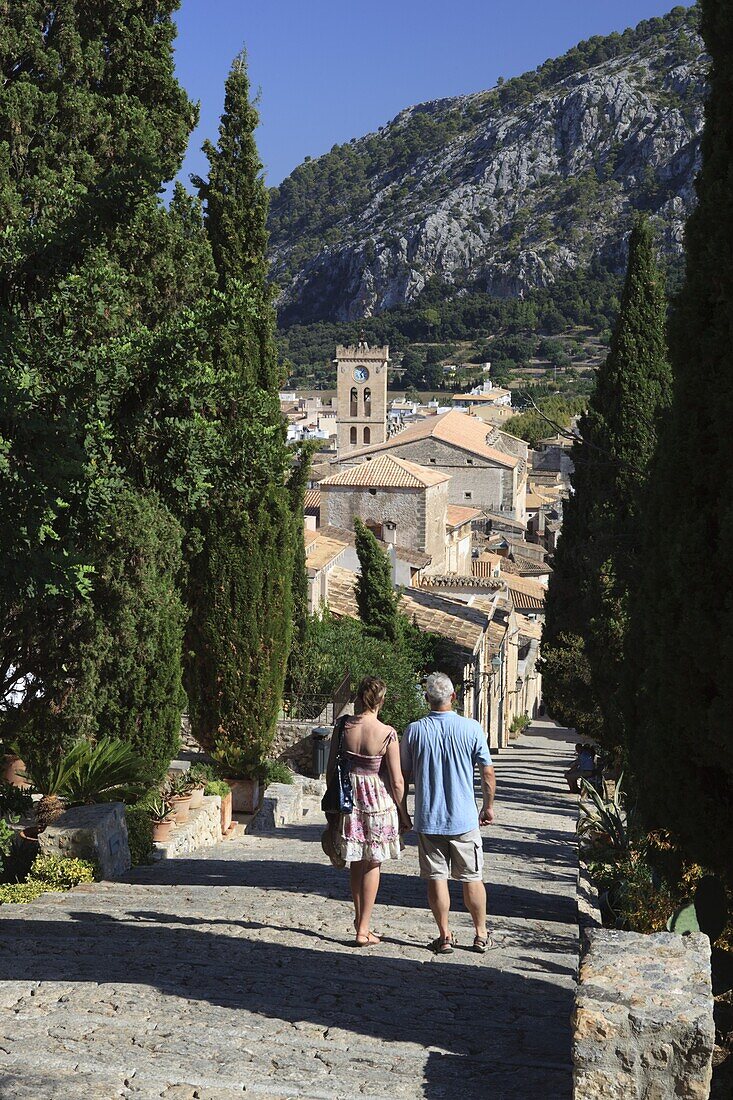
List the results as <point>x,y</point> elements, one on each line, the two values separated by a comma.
<point>356,875</point>
<point>474,898</point>
<point>439,901</point>
<point>369,886</point>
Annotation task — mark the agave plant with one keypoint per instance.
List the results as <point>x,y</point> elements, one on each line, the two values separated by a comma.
<point>160,809</point>
<point>604,817</point>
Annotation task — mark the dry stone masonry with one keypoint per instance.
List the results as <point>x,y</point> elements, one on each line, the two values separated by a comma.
<point>643,1023</point>
<point>96,833</point>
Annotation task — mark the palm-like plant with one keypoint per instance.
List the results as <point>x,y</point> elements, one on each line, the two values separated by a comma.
<point>107,771</point>
<point>605,817</point>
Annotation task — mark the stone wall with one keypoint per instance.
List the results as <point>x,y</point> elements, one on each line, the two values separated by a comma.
<point>97,833</point>
<point>202,830</point>
<point>293,745</point>
<point>490,485</point>
<point>643,1020</point>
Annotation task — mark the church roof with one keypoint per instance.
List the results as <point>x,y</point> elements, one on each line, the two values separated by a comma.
<point>386,472</point>
<point>454,427</point>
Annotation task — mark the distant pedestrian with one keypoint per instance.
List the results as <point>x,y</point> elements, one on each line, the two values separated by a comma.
<point>370,834</point>
<point>440,754</point>
<point>582,767</point>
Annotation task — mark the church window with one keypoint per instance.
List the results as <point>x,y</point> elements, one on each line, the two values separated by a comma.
<point>367,435</point>
<point>367,402</point>
<point>354,403</point>
<point>352,436</point>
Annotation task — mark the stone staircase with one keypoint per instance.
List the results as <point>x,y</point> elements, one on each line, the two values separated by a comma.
<point>230,972</point>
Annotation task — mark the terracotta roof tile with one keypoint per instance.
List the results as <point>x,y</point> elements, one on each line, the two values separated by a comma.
<point>457,428</point>
<point>412,557</point>
<point>458,515</point>
<point>312,499</point>
<point>461,625</point>
<point>387,472</point>
<point>322,551</point>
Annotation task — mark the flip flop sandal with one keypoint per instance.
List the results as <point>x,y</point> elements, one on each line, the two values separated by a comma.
<point>443,947</point>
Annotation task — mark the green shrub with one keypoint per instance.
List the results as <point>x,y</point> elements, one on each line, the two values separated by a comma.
<point>217,786</point>
<point>139,833</point>
<point>58,873</point>
<point>14,800</point>
<point>519,723</point>
<point>15,892</point>
<point>201,773</point>
<point>274,771</point>
<point>6,841</point>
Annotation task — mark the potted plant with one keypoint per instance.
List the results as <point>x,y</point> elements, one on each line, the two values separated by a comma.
<point>12,770</point>
<point>199,775</point>
<point>161,815</point>
<point>178,792</point>
<point>218,786</point>
<point>241,771</point>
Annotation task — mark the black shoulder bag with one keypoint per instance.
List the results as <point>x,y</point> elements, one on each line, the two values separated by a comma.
<point>339,796</point>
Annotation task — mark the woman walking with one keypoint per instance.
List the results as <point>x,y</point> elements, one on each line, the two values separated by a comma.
<point>370,834</point>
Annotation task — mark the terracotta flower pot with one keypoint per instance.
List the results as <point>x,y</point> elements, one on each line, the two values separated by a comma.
<point>162,830</point>
<point>197,797</point>
<point>12,769</point>
<point>226,812</point>
<point>180,804</point>
<point>245,795</point>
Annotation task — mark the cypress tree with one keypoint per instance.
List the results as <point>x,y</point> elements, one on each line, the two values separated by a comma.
<point>240,592</point>
<point>681,749</point>
<point>598,555</point>
<point>96,386</point>
<point>375,596</point>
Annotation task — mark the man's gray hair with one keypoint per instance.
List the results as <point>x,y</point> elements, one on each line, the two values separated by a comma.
<point>439,689</point>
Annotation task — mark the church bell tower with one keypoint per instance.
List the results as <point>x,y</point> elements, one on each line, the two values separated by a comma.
<point>361,396</point>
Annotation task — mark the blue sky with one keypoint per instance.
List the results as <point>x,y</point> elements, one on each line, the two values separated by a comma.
<point>330,70</point>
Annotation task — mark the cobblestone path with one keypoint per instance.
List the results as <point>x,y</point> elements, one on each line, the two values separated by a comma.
<point>230,974</point>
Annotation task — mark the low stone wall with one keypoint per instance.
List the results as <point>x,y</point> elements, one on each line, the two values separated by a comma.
<point>202,830</point>
<point>643,1022</point>
<point>97,833</point>
<point>284,803</point>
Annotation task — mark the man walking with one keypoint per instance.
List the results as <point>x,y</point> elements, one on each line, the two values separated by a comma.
<point>439,753</point>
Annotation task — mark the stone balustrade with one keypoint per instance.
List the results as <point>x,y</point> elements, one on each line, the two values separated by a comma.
<point>643,1020</point>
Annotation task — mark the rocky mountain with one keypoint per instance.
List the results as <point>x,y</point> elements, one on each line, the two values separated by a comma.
<point>503,190</point>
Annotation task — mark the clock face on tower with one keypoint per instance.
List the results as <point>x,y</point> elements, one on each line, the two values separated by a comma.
<point>361,374</point>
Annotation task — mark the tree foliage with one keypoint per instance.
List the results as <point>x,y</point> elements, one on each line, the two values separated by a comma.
<point>101,386</point>
<point>597,557</point>
<point>375,595</point>
<point>244,540</point>
<point>680,744</point>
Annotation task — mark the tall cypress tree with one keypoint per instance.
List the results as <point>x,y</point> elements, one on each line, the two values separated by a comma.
<point>95,291</point>
<point>375,595</point>
<point>598,555</point>
<point>240,593</point>
<point>682,749</point>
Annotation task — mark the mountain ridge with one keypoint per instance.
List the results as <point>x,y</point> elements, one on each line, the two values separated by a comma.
<point>504,189</point>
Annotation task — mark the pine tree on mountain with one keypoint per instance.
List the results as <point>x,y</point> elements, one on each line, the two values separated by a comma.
<point>93,274</point>
<point>375,595</point>
<point>597,556</point>
<point>240,591</point>
<point>681,749</point>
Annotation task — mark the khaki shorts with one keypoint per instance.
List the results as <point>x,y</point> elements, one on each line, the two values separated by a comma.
<point>458,857</point>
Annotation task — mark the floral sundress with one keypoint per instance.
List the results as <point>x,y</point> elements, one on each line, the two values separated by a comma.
<point>372,830</point>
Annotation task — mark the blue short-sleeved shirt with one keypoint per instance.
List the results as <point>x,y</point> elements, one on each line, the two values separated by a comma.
<point>439,753</point>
